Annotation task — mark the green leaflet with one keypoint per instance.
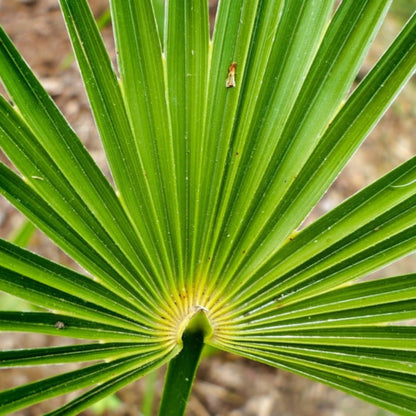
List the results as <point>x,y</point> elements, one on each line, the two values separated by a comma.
<point>72,353</point>
<point>383,395</point>
<point>147,109</point>
<point>187,38</point>
<point>282,147</point>
<point>103,372</point>
<point>27,264</point>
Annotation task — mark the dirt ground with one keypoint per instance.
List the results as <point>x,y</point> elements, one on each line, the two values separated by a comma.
<point>226,385</point>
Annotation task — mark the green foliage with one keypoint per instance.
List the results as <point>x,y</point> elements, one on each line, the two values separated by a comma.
<point>211,185</point>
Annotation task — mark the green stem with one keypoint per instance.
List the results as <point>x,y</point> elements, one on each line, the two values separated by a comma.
<point>21,236</point>
<point>149,395</point>
<point>181,374</point>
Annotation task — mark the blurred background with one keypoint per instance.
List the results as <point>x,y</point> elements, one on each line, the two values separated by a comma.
<point>226,385</point>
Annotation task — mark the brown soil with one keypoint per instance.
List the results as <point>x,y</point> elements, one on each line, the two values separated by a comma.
<point>226,385</point>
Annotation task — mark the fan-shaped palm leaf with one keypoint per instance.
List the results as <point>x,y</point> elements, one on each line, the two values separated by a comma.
<point>218,152</point>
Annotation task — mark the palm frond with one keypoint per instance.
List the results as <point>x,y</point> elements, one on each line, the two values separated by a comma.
<point>218,150</point>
